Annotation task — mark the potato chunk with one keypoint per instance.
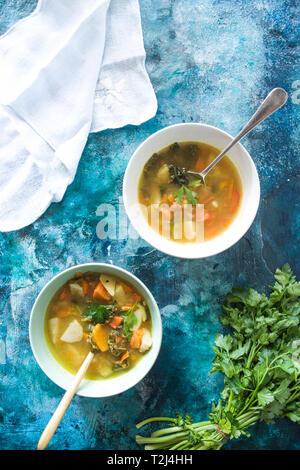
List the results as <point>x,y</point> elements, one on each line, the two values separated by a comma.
<point>54,329</point>
<point>76,291</point>
<point>141,315</point>
<point>155,194</point>
<point>109,283</point>
<point>120,295</point>
<point>73,333</point>
<point>146,341</point>
<point>75,356</point>
<point>105,368</point>
<point>189,229</point>
<point>163,174</point>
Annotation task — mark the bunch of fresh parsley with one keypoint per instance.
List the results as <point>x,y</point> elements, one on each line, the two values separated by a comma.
<point>260,361</point>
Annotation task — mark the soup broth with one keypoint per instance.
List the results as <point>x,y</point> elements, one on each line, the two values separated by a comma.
<point>101,313</point>
<point>165,183</point>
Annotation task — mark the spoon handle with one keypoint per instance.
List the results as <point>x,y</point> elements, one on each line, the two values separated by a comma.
<point>63,405</point>
<point>275,99</point>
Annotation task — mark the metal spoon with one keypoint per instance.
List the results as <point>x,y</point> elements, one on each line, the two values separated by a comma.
<point>275,99</point>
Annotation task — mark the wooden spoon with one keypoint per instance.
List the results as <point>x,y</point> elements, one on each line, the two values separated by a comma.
<point>65,401</point>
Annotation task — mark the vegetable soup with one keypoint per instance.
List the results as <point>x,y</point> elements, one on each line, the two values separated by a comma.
<point>100,313</point>
<point>166,184</point>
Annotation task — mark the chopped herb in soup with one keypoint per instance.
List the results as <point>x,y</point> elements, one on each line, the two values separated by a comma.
<point>100,313</point>
<point>166,184</point>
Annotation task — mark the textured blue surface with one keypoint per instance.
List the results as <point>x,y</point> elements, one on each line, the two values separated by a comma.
<point>209,61</point>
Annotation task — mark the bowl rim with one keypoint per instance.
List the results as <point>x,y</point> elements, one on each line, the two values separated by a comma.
<point>171,247</point>
<point>158,334</point>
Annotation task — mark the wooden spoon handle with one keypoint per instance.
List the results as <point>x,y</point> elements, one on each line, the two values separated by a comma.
<point>65,401</point>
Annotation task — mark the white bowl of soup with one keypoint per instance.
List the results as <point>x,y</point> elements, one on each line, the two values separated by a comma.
<point>172,209</point>
<point>102,308</point>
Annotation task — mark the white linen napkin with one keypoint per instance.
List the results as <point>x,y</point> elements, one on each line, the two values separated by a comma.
<point>70,68</point>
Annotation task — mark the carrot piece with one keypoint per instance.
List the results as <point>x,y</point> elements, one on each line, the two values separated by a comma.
<point>119,339</point>
<point>85,286</point>
<point>92,285</point>
<point>100,337</point>
<point>136,297</point>
<point>176,207</point>
<point>209,215</point>
<point>125,356</point>
<point>65,294</point>
<point>164,198</point>
<point>205,195</point>
<point>116,321</point>
<point>124,308</point>
<point>136,338</point>
<point>64,311</point>
<point>126,287</point>
<point>235,199</point>
<point>199,164</point>
<point>166,212</point>
<point>143,199</point>
<point>100,292</point>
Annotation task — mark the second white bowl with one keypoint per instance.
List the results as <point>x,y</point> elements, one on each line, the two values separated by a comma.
<point>197,133</point>
<point>59,375</point>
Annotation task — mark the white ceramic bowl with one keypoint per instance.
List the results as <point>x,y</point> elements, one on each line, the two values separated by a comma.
<point>59,375</point>
<point>198,133</point>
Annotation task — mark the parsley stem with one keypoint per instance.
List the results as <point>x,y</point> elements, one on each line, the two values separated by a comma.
<point>261,379</point>
<point>150,420</point>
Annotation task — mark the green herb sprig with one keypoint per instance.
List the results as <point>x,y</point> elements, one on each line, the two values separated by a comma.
<point>260,362</point>
<point>129,322</point>
<point>99,313</point>
<point>191,196</point>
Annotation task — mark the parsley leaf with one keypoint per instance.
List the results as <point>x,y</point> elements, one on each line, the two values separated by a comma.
<point>129,322</point>
<point>179,194</point>
<point>265,397</point>
<point>191,196</point>
<point>99,313</point>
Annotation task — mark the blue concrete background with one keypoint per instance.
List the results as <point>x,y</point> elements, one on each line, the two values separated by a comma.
<point>209,61</point>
